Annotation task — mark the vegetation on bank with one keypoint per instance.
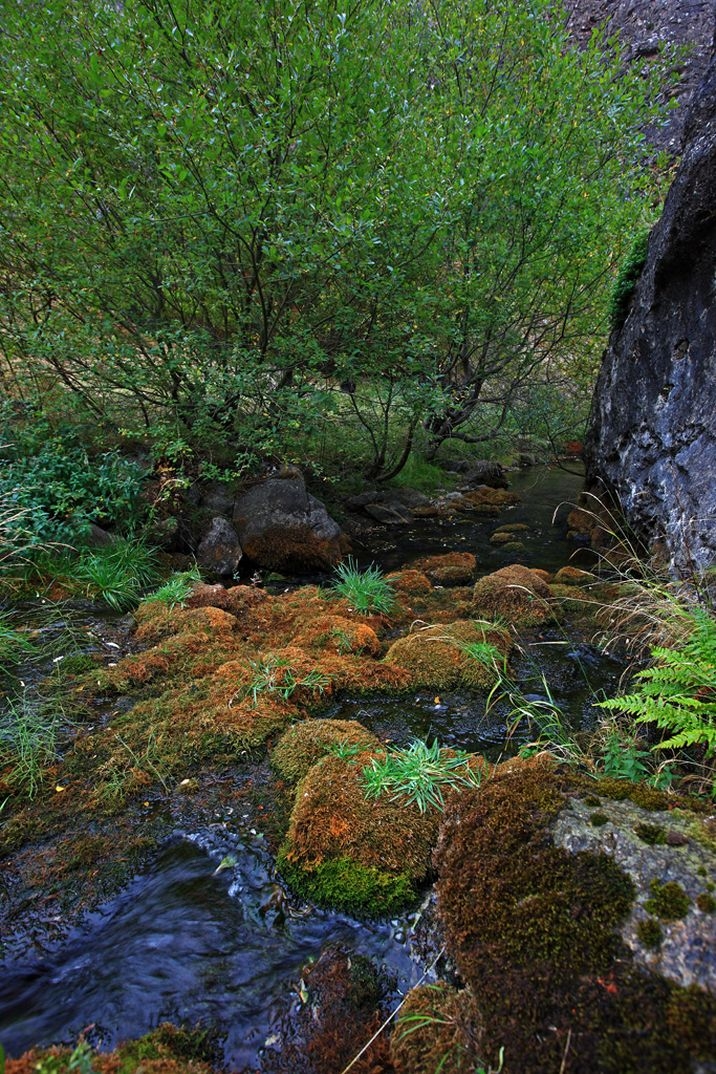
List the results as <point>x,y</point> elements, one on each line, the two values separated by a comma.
<point>308,233</point>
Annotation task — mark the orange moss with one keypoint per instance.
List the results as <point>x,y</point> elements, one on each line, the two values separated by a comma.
<point>303,745</point>
<point>339,634</point>
<point>409,581</point>
<point>573,576</point>
<point>438,656</point>
<point>450,569</point>
<point>156,621</point>
<point>332,818</point>
<point>483,496</point>
<point>516,594</point>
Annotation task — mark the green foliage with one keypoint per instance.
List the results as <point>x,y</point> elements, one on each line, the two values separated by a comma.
<point>626,280</point>
<point>365,590</point>
<point>52,490</point>
<point>419,774</point>
<point>274,675</point>
<point>175,591</point>
<point>256,219</point>
<point>677,692</point>
<point>14,644</point>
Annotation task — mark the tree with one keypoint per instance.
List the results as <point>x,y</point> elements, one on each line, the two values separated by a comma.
<point>224,217</point>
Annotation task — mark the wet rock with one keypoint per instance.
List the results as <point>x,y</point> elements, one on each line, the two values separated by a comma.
<point>219,552</point>
<point>652,439</point>
<point>281,527</point>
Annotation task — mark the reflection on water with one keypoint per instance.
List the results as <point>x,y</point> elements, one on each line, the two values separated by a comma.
<point>545,492</point>
<point>185,943</point>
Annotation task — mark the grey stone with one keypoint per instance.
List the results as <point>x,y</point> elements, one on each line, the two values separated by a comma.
<point>219,552</point>
<point>652,437</point>
<point>281,527</point>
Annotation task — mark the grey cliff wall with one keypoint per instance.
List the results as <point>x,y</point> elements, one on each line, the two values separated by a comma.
<point>652,437</point>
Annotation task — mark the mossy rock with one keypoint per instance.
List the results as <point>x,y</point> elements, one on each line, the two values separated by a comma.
<point>449,569</point>
<point>343,884</point>
<point>573,576</point>
<point>515,594</point>
<point>440,656</point>
<point>305,743</point>
<point>345,851</point>
<point>166,1050</point>
<point>537,915</point>
<point>338,634</point>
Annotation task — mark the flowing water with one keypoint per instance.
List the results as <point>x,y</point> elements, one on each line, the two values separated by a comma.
<point>188,944</point>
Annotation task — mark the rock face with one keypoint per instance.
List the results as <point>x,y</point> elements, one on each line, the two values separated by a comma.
<point>282,528</point>
<point>652,438</point>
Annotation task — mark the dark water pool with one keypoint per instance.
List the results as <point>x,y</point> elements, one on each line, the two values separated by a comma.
<point>547,494</point>
<point>187,944</point>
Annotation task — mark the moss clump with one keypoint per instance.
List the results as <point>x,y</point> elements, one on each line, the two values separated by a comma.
<point>302,745</point>
<point>516,594</point>
<point>339,883</point>
<point>466,652</point>
<point>335,633</point>
<point>639,793</point>
<point>651,834</point>
<point>691,1016</point>
<point>450,569</point>
<point>706,903</point>
<point>668,901</point>
<point>650,933</point>
<point>598,820</point>
<point>332,821</point>
<point>166,1050</point>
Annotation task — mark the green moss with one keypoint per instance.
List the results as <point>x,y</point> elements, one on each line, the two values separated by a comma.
<point>651,834</point>
<point>668,901</point>
<point>650,933</point>
<point>706,903</point>
<point>342,884</point>
<point>647,797</point>
<point>598,820</point>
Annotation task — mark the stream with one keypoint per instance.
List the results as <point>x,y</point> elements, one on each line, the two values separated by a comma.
<point>206,934</point>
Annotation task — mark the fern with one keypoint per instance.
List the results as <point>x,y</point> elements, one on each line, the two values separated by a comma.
<point>678,691</point>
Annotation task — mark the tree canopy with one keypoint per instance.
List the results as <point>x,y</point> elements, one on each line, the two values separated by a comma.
<point>239,220</point>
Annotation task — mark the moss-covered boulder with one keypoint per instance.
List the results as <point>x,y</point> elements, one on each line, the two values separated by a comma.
<point>466,652</point>
<point>304,744</point>
<point>541,911</point>
<point>342,850</point>
<point>516,594</point>
<point>448,569</point>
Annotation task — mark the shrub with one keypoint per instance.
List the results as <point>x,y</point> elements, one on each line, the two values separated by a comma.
<point>53,491</point>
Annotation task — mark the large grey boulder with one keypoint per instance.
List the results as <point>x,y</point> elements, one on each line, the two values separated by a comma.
<point>652,437</point>
<point>281,527</point>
